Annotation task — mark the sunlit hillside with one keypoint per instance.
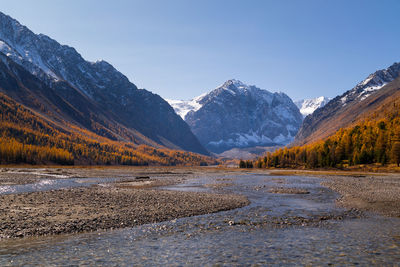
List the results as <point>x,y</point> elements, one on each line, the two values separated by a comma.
<point>28,137</point>
<point>374,139</point>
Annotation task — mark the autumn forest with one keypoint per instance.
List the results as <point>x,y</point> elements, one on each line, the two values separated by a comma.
<point>25,137</point>
<point>374,140</point>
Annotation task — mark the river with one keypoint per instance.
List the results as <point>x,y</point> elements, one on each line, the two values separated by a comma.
<point>275,229</point>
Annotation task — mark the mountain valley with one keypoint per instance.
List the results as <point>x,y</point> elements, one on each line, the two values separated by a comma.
<point>92,101</point>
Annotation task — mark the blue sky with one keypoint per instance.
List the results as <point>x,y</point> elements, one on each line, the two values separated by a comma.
<point>182,48</point>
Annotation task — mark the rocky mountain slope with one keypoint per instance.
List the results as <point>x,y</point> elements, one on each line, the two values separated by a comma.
<point>344,110</point>
<point>239,115</point>
<point>93,95</point>
<point>308,106</point>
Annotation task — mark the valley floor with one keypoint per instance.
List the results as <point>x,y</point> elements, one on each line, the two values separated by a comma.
<point>376,192</point>
<point>36,202</point>
<point>379,194</point>
<point>46,201</point>
<point>246,217</point>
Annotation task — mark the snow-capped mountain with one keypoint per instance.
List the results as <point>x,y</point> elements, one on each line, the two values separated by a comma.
<point>308,106</point>
<point>238,115</point>
<point>50,61</point>
<point>99,94</point>
<point>322,122</point>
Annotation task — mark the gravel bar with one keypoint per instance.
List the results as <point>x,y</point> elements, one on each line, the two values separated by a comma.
<point>102,208</point>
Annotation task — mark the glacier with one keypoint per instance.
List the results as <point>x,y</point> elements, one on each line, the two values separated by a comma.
<point>308,106</point>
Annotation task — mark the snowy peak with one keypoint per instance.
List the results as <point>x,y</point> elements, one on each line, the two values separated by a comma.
<point>20,44</point>
<point>239,115</point>
<point>183,107</point>
<point>233,82</point>
<point>231,88</point>
<point>237,87</point>
<point>308,106</point>
<point>52,62</point>
<point>234,86</point>
<point>372,83</point>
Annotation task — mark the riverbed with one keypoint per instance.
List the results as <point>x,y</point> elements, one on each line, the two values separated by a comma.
<point>291,220</point>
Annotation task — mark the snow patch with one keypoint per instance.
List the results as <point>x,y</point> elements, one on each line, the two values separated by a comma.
<point>368,91</point>
<point>19,54</point>
<point>372,83</point>
<point>183,107</point>
<point>308,106</point>
<point>251,138</point>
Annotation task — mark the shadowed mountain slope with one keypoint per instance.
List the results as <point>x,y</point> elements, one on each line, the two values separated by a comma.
<point>93,95</point>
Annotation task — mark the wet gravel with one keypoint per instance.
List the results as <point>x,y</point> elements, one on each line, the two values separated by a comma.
<point>380,194</point>
<point>98,208</point>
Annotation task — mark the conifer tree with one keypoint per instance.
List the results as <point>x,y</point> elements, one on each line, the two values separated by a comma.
<point>396,153</point>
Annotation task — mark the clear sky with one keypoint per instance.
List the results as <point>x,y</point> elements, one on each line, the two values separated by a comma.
<point>182,48</point>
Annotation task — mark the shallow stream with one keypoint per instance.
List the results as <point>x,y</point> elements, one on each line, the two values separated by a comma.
<point>53,184</point>
<point>275,229</point>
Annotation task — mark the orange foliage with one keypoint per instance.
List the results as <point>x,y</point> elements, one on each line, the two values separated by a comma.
<point>373,140</point>
<point>26,137</point>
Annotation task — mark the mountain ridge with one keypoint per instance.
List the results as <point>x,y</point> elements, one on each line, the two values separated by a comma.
<point>97,86</point>
<point>328,119</point>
